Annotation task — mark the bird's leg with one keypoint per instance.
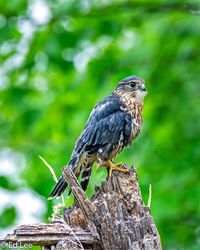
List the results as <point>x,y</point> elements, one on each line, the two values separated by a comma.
<point>114,166</point>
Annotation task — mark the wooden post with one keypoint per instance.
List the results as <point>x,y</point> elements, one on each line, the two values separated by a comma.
<point>116,219</point>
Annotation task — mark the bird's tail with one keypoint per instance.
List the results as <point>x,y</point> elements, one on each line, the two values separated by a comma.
<point>59,188</point>
<point>61,185</point>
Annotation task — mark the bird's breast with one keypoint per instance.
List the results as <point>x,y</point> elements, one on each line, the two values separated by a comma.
<point>136,115</point>
<point>133,106</point>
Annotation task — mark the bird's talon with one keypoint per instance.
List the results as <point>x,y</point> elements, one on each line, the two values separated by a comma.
<point>114,166</point>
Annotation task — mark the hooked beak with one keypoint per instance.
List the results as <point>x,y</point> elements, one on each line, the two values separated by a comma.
<point>143,88</point>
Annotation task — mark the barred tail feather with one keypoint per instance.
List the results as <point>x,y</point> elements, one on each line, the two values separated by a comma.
<point>85,176</point>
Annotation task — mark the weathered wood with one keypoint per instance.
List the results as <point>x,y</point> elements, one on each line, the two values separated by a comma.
<point>117,212</point>
<point>116,218</point>
<point>51,234</point>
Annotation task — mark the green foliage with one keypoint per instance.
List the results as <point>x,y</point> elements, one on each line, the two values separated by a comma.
<point>7,217</point>
<point>5,183</point>
<point>54,72</point>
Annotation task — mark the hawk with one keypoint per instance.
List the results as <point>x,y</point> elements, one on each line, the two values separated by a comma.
<point>112,125</point>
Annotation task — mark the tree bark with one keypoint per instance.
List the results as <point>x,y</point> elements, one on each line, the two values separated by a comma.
<point>116,218</point>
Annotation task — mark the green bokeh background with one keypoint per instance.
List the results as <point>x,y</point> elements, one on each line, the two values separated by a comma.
<point>53,73</point>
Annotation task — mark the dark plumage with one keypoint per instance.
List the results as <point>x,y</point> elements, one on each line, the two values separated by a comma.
<point>113,124</point>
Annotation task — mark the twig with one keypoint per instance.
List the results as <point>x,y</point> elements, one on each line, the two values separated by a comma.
<point>68,227</point>
<point>150,196</point>
<point>53,174</point>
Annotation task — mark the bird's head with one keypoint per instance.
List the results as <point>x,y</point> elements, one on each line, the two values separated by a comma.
<point>132,86</point>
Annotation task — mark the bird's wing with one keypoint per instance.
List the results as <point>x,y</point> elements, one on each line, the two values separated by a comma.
<point>106,123</point>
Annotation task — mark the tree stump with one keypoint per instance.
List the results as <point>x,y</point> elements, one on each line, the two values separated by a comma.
<point>116,219</point>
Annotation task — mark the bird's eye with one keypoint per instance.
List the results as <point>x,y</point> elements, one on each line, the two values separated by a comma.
<point>132,84</point>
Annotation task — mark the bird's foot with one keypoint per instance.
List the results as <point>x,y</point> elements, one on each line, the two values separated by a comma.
<point>114,166</point>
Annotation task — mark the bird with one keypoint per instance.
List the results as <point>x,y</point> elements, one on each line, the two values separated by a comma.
<point>112,125</point>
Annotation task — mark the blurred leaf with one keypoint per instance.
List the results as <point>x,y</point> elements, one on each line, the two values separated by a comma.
<point>5,183</point>
<point>7,217</point>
